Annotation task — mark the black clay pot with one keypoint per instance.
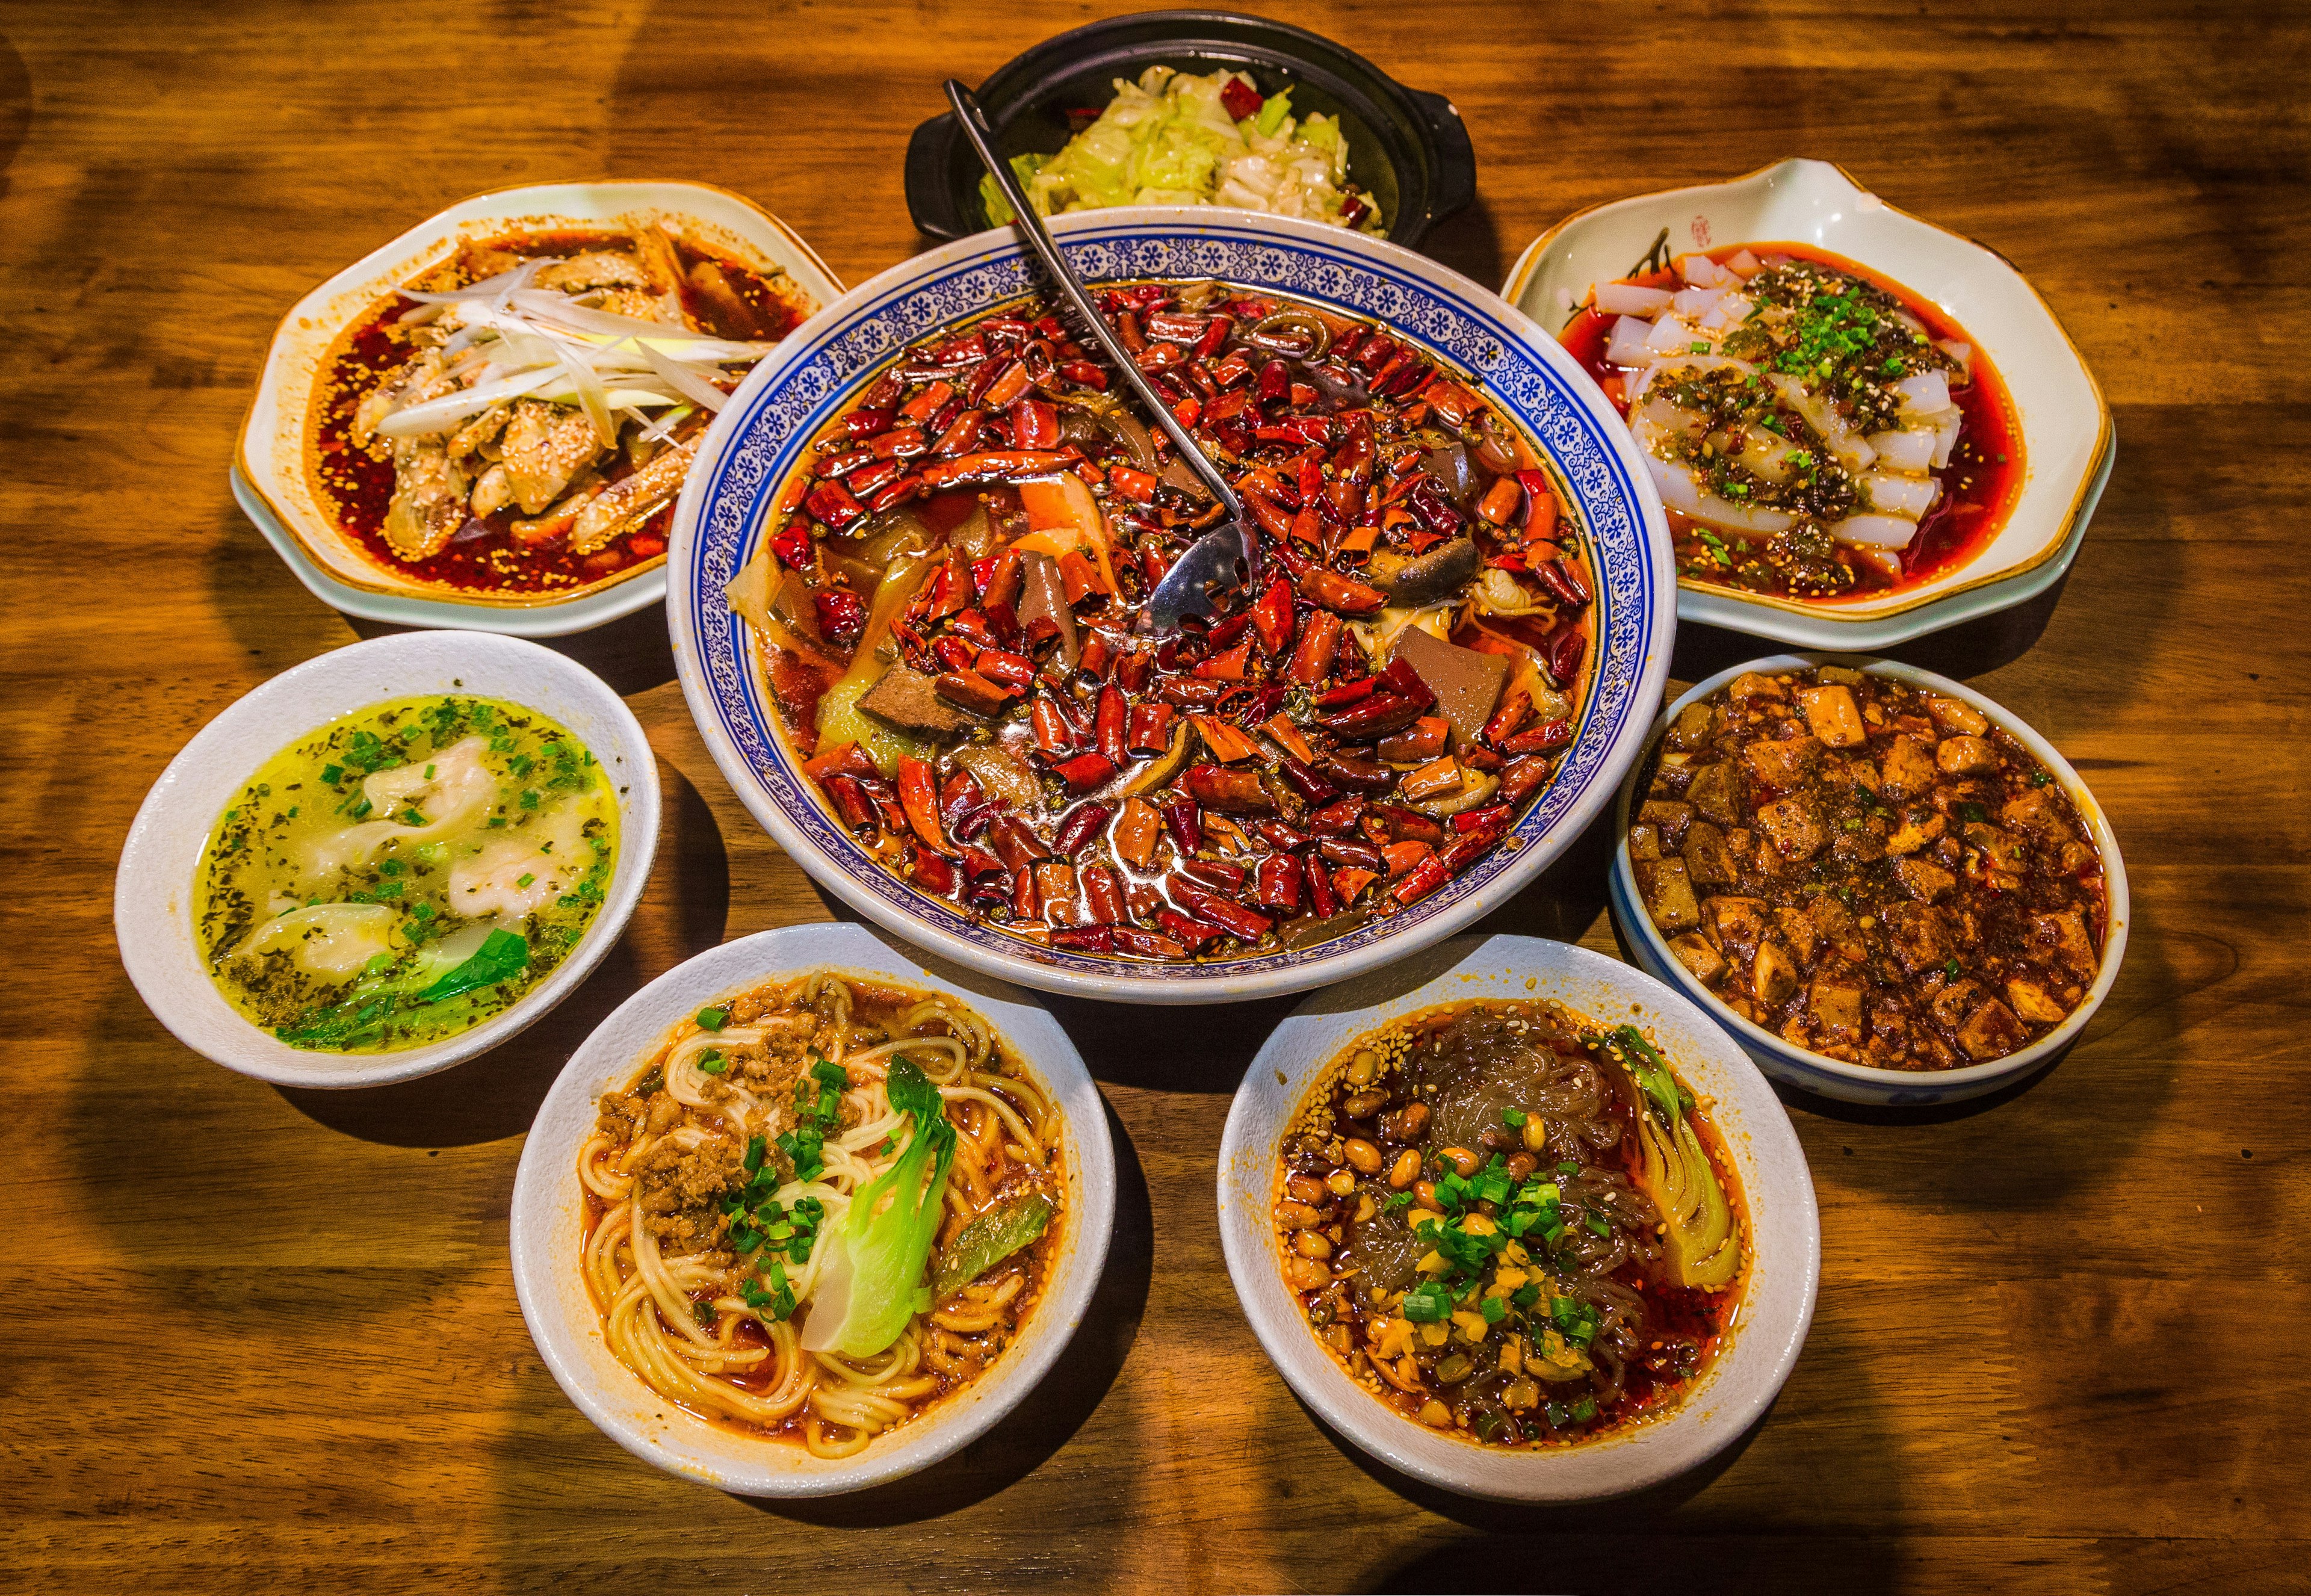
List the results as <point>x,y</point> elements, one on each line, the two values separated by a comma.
<point>1406,148</point>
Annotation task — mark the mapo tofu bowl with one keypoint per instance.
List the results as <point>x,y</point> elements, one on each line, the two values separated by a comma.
<point>1886,886</point>
<point>483,423</point>
<point>908,565</point>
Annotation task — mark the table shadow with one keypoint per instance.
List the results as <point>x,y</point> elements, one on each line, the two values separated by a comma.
<point>1050,1415</point>
<point>1469,244</point>
<point>1969,649</point>
<point>683,912</point>
<point>631,653</point>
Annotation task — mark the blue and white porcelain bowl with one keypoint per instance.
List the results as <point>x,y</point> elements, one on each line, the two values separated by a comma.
<point>757,441</point>
<point>1834,1078</point>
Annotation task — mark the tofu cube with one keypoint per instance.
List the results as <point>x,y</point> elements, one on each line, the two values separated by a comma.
<point>1966,756</point>
<point>1668,895</point>
<point>1924,879</point>
<point>1835,717</point>
<point>1707,860</point>
<point>1955,714</point>
<point>1835,1005</point>
<point>1920,936</point>
<point>1716,790</point>
<point>1772,974</point>
<point>1784,763</point>
<point>1694,952</point>
<point>1909,768</point>
<point>1795,827</point>
<point>2032,1002</point>
<point>1990,1032</point>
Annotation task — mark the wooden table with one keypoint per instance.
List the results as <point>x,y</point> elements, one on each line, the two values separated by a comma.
<point>263,1339</point>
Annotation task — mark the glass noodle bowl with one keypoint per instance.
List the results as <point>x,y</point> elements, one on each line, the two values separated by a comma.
<point>778,1238</point>
<point>1512,1223</point>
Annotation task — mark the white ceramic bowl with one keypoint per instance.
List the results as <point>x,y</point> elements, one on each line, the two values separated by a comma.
<point>1832,1078</point>
<point>756,441</point>
<point>1777,1190</point>
<point>270,478</point>
<point>2066,428</point>
<point>152,891</point>
<point>549,1219</point>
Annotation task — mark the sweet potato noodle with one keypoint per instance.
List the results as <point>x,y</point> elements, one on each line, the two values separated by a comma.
<point>1510,1225</point>
<point>946,595</point>
<point>815,1209</point>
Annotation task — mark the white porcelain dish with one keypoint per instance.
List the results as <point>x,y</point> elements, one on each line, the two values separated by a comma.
<point>2066,427</point>
<point>549,1220</point>
<point>270,464</point>
<point>757,439</point>
<point>1832,1078</point>
<point>152,890</point>
<point>1777,1194</point>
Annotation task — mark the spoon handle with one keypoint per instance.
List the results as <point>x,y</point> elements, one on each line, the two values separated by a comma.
<point>973,122</point>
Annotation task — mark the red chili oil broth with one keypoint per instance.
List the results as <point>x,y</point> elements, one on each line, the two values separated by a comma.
<point>1980,485</point>
<point>357,488</point>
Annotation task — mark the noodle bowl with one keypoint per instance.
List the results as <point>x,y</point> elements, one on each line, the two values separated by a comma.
<point>784,1234</point>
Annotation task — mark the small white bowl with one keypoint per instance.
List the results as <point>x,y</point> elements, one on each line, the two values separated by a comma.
<point>1814,1072</point>
<point>269,468</point>
<point>152,891</point>
<point>2068,443</point>
<point>1777,1296</point>
<point>549,1221</point>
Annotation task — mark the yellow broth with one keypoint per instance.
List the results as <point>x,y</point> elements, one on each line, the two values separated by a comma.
<point>404,873</point>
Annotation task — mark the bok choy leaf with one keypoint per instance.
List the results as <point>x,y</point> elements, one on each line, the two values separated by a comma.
<point>1700,1246</point>
<point>872,1282</point>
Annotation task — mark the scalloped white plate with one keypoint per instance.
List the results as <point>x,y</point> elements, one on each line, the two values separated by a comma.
<point>269,475</point>
<point>2068,443</point>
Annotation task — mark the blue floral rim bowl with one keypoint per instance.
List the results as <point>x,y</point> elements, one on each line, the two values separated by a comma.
<point>764,431</point>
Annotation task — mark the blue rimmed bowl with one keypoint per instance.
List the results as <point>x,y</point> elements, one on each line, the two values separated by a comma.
<point>1818,1073</point>
<point>763,432</point>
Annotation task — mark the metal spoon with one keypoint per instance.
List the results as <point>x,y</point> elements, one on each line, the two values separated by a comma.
<point>1223,560</point>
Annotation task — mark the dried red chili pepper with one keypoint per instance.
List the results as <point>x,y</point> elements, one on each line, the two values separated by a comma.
<point>1084,772</point>
<point>1278,884</point>
<point>1232,791</point>
<point>1540,739</point>
<point>919,797</point>
<point>1078,827</point>
<point>833,504</point>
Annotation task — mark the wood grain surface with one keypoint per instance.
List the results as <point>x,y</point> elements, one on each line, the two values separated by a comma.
<point>261,1339</point>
